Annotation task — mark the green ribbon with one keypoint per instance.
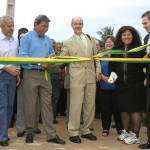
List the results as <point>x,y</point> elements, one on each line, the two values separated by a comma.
<point>122,51</point>
<point>47,75</point>
<point>70,59</point>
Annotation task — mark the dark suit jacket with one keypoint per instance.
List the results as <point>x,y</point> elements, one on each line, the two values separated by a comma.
<point>148,66</point>
<point>146,39</point>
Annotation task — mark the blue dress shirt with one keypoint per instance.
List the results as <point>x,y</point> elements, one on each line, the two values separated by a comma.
<point>33,45</point>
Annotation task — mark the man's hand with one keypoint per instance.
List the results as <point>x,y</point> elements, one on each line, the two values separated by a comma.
<point>45,65</point>
<point>13,71</point>
<point>18,80</point>
<point>51,55</point>
<point>98,76</point>
<point>146,56</point>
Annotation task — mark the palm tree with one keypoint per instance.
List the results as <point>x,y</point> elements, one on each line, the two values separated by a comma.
<point>104,32</point>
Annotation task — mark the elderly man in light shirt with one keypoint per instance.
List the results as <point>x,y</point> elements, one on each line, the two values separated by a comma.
<point>9,76</point>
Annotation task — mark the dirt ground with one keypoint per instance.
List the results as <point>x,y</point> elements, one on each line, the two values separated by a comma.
<point>103,143</point>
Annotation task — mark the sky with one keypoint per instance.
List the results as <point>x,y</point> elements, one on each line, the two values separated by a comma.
<point>96,15</point>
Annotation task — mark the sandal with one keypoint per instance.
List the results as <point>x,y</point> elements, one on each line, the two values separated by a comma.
<point>105,133</point>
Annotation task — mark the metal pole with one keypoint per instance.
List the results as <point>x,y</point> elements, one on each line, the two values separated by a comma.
<point>10,8</point>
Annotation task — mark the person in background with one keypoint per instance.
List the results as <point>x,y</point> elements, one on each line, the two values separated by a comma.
<point>56,78</point>
<point>82,82</point>
<point>108,100</point>
<point>53,43</point>
<point>20,121</point>
<point>36,89</point>
<point>62,103</point>
<point>98,47</point>
<point>97,109</point>
<point>129,84</point>
<point>67,87</point>
<point>146,25</point>
<point>9,76</point>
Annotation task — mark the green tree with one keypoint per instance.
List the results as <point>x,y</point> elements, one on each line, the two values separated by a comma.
<point>104,32</point>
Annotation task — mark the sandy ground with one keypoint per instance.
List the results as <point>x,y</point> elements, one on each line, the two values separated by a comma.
<point>103,143</point>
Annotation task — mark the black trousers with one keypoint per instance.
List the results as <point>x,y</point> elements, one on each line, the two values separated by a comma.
<point>109,107</point>
<point>148,110</point>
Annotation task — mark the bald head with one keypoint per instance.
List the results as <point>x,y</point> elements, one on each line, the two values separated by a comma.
<point>77,18</point>
<point>77,25</point>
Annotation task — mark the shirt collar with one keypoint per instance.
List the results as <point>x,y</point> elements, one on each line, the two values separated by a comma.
<point>3,37</point>
<point>79,36</point>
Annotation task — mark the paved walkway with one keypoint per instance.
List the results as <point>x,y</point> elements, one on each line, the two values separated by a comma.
<point>103,143</point>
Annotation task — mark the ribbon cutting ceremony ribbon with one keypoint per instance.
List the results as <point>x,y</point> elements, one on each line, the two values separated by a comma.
<point>47,75</point>
<point>121,51</point>
<point>70,59</point>
<point>31,60</point>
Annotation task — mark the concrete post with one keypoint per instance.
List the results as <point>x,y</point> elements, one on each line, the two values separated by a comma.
<point>10,8</point>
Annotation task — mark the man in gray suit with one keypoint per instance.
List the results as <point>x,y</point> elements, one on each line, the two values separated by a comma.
<point>82,82</point>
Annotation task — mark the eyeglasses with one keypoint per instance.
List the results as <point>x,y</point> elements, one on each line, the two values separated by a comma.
<point>77,24</point>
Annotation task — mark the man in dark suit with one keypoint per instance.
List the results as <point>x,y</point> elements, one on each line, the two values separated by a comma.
<point>146,24</point>
<point>82,82</point>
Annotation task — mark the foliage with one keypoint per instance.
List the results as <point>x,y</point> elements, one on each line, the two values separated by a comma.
<point>104,32</point>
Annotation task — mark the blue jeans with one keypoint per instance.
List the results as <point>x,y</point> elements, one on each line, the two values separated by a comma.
<point>56,86</point>
<point>7,95</point>
<point>20,122</point>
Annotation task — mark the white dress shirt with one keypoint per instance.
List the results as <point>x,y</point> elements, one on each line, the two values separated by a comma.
<point>8,48</point>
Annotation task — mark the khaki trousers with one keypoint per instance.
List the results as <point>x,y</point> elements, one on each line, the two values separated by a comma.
<point>37,90</point>
<point>82,98</point>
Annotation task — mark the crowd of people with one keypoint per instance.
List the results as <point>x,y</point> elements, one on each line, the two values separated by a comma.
<point>86,84</point>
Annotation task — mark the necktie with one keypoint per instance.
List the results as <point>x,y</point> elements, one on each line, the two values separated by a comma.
<point>82,44</point>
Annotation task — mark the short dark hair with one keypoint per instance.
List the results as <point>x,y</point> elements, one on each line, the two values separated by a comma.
<point>22,30</point>
<point>147,13</point>
<point>111,37</point>
<point>40,18</point>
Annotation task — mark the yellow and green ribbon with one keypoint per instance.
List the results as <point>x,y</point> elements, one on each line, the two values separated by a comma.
<point>70,59</point>
<point>121,51</point>
<point>47,75</point>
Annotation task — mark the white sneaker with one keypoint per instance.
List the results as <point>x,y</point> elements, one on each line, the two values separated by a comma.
<point>123,135</point>
<point>131,139</point>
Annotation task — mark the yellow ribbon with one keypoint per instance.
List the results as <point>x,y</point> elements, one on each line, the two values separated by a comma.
<point>70,59</point>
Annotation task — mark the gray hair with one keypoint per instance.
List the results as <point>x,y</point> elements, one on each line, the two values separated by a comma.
<point>147,14</point>
<point>3,19</point>
<point>40,18</point>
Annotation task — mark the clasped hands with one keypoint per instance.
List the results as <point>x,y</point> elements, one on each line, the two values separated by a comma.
<point>47,65</point>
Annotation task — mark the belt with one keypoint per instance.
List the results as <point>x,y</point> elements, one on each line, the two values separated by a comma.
<point>37,69</point>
